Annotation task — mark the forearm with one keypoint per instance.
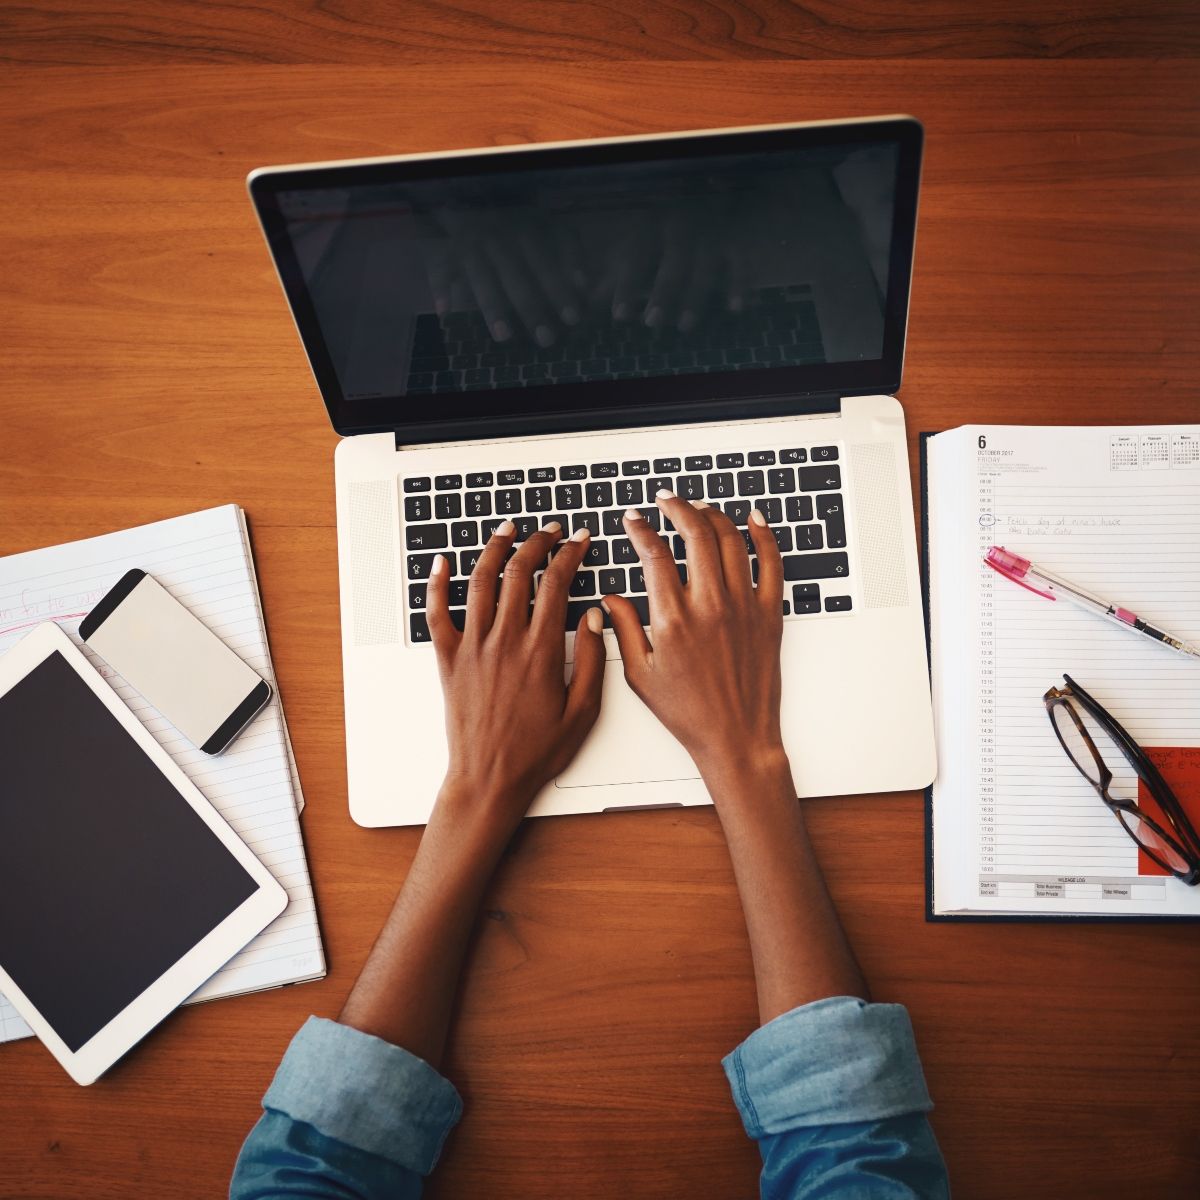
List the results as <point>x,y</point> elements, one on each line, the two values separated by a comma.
<point>406,989</point>
<point>799,950</point>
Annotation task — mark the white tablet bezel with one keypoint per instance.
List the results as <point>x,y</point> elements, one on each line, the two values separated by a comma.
<point>204,959</point>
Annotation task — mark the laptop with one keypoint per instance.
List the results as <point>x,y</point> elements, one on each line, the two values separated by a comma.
<point>554,332</point>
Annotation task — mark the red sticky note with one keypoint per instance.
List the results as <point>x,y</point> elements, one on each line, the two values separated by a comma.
<point>1180,767</point>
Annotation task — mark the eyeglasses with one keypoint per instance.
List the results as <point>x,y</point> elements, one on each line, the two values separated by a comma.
<point>1172,842</point>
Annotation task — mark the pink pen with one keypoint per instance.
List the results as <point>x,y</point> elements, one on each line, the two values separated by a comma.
<point>1054,587</point>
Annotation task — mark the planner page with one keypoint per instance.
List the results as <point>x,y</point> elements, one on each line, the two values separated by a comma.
<point>1016,828</point>
<point>204,560</point>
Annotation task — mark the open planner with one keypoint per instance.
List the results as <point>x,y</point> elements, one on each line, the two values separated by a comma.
<point>205,561</point>
<point>1014,829</point>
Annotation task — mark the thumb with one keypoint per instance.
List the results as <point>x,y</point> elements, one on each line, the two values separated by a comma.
<point>587,677</point>
<point>631,636</point>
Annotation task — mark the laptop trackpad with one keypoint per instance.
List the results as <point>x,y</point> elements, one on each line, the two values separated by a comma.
<point>628,743</point>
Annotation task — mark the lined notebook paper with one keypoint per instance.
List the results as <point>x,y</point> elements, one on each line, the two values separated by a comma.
<point>1015,828</point>
<point>204,561</point>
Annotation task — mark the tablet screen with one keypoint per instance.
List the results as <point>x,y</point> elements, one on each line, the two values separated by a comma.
<point>107,875</point>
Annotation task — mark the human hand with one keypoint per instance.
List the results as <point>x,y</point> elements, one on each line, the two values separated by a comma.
<point>512,722</point>
<point>710,670</point>
<point>674,269</point>
<point>521,277</point>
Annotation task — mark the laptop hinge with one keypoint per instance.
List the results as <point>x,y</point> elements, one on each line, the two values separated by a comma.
<point>531,425</point>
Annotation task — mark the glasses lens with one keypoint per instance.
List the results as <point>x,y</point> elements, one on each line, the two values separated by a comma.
<point>1074,742</point>
<point>1145,836</point>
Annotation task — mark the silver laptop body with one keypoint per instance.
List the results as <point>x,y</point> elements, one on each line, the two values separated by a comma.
<point>551,333</point>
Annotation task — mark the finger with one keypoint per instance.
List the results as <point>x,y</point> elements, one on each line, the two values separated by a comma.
<point>522,291</point>
<point>699,288</point>
<point>440,273</point>
<point>446,637</point>
<point>545,268</point>
<point>735,285</point>
<point>673,269</point>
<point>587,676</point>
<point>705,573</point>
<point>663,587</point>
<point>484,581</point>
<point>631,636</point>
<point>770,561</point>
<point>550,605</point>
<point>571,257</point>
<point>735,559</point>
<point>488,293</point>
<point>629,270</point>
<point>517,586</point>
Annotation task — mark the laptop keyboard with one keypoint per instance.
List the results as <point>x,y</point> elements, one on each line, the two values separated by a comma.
<point>798,489</point>
<point>777,328</point>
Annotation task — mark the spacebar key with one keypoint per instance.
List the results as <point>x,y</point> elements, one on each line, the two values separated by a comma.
<point>815,566</point>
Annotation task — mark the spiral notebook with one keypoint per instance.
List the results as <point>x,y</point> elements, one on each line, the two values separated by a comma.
<point>205,561</point>
<point>1014,831</point>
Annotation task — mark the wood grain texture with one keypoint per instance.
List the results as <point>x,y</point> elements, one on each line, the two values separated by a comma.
<point>126,32</point>
<point>149,368</point>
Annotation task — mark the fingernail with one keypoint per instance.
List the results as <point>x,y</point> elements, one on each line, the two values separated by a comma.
<point>552,527</point>
<point>570,315</point>
<point>654,316</point>
<point>633,514</point>
<point>620,311</point>
<point>581,534</point>
<point>757,517</point>
<point>698,504</point>
<point>664,494</point>
<point>604,605</point>
<point>595,620</point>
<point>505,528</point>
<point>687,320</point>
<point>544,335</point>
<point>439,564</point>
<point>501,331</point>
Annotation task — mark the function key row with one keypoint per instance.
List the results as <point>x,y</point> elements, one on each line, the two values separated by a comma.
<point>628,493</point>
<point>613,470</point>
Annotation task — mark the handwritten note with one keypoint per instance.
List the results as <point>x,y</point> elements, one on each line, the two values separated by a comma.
<point>1016,826</point>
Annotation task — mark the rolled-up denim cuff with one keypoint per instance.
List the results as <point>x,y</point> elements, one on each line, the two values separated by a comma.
<point>366,1093</point>
<point>832,1062</point>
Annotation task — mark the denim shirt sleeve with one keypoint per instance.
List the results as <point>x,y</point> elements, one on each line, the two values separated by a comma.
<point>348,1116</point>
<point>834,1095</point>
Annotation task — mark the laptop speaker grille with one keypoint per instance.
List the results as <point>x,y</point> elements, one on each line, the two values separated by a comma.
<point>877,525</point>
<point>373,563</point>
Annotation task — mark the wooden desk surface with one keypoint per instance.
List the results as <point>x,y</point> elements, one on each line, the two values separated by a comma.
<point>150,368</point>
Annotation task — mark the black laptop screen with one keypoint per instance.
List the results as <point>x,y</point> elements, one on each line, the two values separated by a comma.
<point>585,278</point>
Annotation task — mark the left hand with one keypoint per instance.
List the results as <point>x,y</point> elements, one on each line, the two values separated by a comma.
<point>512,722</point>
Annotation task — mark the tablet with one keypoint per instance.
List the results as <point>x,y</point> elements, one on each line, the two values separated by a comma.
<point>121,888</point>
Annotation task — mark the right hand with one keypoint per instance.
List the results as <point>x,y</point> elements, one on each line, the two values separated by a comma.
<point>712,674</point>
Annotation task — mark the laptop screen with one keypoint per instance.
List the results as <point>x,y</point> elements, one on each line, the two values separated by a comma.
<point>469,290</point>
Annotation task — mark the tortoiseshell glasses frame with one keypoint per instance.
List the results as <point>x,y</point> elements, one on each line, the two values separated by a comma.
<point>1171,842</point>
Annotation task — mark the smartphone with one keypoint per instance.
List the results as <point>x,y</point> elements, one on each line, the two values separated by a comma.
<point>175,661</point>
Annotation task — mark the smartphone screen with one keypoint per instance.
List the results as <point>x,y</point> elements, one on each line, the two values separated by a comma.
<point>177,663</point>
